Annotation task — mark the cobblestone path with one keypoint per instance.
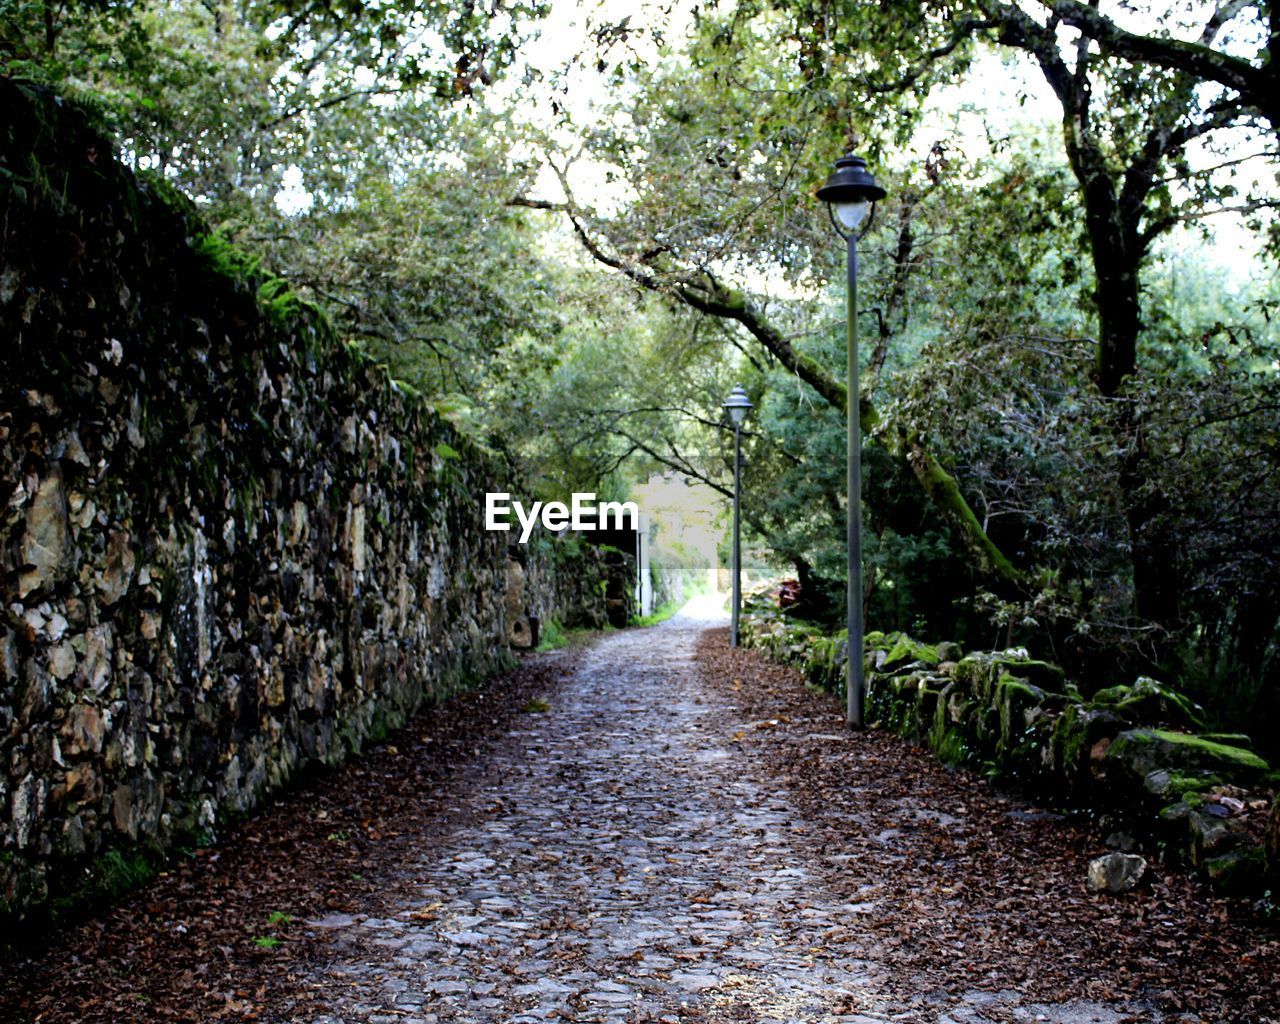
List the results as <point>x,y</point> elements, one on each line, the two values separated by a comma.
<point>615,865</point>
<point>617,862</point>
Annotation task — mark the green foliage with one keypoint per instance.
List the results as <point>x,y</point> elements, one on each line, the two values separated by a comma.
<point>111,875</point>
<point>1006,491</point>
<point>950,746</point>
<point>658,615</point>
<point>226,97</point>
<point>551,636</point>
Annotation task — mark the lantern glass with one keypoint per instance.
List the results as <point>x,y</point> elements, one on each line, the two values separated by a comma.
<point>850,215</point>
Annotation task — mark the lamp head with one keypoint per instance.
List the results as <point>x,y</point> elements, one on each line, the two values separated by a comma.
<point>850,191</point>
<point>737,405</point>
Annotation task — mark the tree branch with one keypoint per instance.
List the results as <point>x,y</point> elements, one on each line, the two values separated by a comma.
<point>1164,223</point>
<point>714,299</point>
<point>1255,85</point>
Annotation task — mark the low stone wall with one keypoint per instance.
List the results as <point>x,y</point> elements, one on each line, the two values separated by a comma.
<point>1136,755</point>
<point>232,547</point>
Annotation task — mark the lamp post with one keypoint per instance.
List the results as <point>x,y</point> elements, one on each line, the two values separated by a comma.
<point>850,194</point>
<point>737,405</point>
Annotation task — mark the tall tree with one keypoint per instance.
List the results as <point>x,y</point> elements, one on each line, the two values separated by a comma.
<point>1129,114</point>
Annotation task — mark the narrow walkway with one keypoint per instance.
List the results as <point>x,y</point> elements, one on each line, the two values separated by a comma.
<point>617,864</point>
<point>619,861</point>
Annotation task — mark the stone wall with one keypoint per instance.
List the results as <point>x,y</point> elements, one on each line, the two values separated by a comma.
<point>1137,756</point>
<point>554,579</point>
<point>570,581</point>
<point>232,546</point>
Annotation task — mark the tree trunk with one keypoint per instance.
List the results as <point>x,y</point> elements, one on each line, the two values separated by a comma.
<point>1117,249</point>
<point>1117,254</point>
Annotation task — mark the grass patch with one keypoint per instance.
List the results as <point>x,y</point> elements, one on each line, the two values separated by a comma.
<point>659,614</point>
<point>105,880</point>
<point>552,636</point>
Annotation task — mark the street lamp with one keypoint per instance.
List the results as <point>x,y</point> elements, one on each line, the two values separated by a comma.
<point>737,405</point>
<point>850,194</point>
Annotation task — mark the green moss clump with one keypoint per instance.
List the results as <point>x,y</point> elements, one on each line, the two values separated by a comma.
<point>104,880</point>
<point>1231,739</point>
<point>552,636</point>
<point>1014,697</point>
<point>906,651</point>
<point>876,641</point>
<point>1143,751</point>
<point>280,305</point>
<point>228,260</point>
<point>891,702</point>
<point>1150,702</point>
<point>825,662</point>
<point>1043,674</point>
<point>1237,873</point>
<point>950,746</point>
<point>981,672</point>
<point>1175,785</point>
<point>1245,759</point>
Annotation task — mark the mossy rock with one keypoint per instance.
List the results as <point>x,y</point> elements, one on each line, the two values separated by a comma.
<point>948,651</point>
<point>825,663</point>
<point>1231,739</point>
<point>1076,733</point>
<point>905,687</point>
<point>1015,697</point>
<point>906,651</point>
<point>950,746</point>
<point>1191,835</point>
<point>1043,674</point>
<point>1137,753</point>
<point>1212,835</point>
<point>959,709</point>
<point>890,704</point>
<point>1150,702</point>
<point>1178,812</point>
<point>1023,750</point>
<point>928,691</point>
<point>876,641</point>
<point>787,641</point>
<point>1240,872</point>
<point>972,672</point>
<point>1168,784</point>
<point>1029,761</point>
<point>986,726</point>
<point>982,671</point>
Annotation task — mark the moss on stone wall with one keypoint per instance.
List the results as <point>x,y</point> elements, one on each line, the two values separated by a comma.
<point>231,545</point>
<point>1124,756</point>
